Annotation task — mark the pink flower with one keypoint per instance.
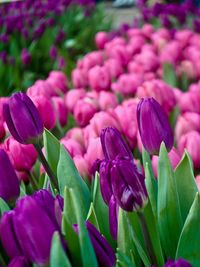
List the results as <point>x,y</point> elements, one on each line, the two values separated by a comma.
<point>126,116</point>
<point>134,67</point>
<point>90,60</point>
<point>101,39</point>
<point>58,81</point>
<point>127,84</point>
<point>94,151</point>
<point>81,165</point>
<point>190,101</point>
<point>72,96</point>
<point>147,30</point>
<point>75,133</point>
<point>2,129</point>
<point>187,68</point>
<point>41,87</point>
<point>3,100</point>
<point>159,90</point>
<point>80,78</point>
<point>148,60</point>
<point>191,142</point>
<point>84,111</point>
<point>187,122</point>
<point>183,36</point>
<point>119,52</point>
<point>23,157</point>
<point>171,53</point>
<point>107,100</point>
<point>73,147</point>
<point>174,157</point>
<point>114,67</point>
<point>99,78</point>
<point>135,44</point>
<point>60,110</point>
<point>46,110</point>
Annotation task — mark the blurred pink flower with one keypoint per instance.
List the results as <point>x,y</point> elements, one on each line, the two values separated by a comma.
<point>60,110</point>
<point>72,96</point>
<point>99,78</point>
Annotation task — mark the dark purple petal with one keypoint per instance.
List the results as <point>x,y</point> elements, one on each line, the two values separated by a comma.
<point>113,145</point>
<point>178,263</point>
<point>105,183</point>
<point>19,261</point>
<point>153,126</point>
<point>113,217</point>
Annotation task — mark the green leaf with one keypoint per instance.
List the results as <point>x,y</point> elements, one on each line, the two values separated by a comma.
<point>123,260</point>
<point>101,210</point>
<point>91,217</point>
<point>169,215</point>
<point>52,149</point>
<point>58,257</point>
<point>3,206</point>
<point>188,246</point>
<point>186,185</point>
<point>124,241</point>
<point>69,176</point>
<point>169,75</point>
<point>87,251</point>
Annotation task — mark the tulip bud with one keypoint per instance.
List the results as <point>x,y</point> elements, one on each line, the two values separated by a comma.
<point>9,184</point>
<point>153,126</point>
<point>23,119</point>
<point>128,185</point>
<point>113,145</point>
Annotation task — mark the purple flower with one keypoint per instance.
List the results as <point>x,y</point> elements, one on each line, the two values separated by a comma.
<point>178,263</point>
<point>25,56</point>
<point>23,119</point>
<point>53,52</point>
<point>113,145</point>
<point>153,126</point>
<point>9,183</point>
<point>19,261</point>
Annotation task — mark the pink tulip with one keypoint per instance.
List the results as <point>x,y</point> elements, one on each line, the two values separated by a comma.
<point>187,68</point>
<point>191,142</point>
<point>23,176</point>
<point>148,60</point>
<point>195,87</point>
<point>147,30</point>
<point>134,32</point>
<point>190,101</point>
<point>114,67</point>
<point>187,122</point>
<point>58,81</point>
<point>126,115</point>
<point>80,78</point>
<point>171,53</point>
<point>76,134</point>
<point>121,53</point>
<point>135,44</point>
<point>2,129</point>
<point>81,165</point>
<point>159,90</point>
<point>127,84</point>
<point>198,182</point>
<point>73,147</point>
<point>107,100</point>
<point>46,110</point>
<point>94,151</point>
<point>134,67</point>
<point>60,110</point>
<point>72,96</point>
<point>41,87</point>
<point>174,157</point>
<point>84,111</point>
<point>23,157</point>
<point>99,78</point>
<point>91,59</point>
<point>183,36</point>
<point>101,39</point>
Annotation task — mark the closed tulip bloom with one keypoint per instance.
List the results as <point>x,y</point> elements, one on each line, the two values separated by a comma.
<point>153,125</point>
<point>104,253</point>
<point>113,217</point>
<point>105,181</point>
<point>23,119</point>
<point>178,263</point>
<point>113,145</point>
<point>128,185</point>
<point>60,110</point>
<point>9,184</point>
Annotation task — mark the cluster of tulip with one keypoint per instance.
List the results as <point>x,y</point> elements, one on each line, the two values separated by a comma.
<point>61,221</point>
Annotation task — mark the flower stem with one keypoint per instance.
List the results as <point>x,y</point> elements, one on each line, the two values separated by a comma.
<point>46,166</point>
<point>147,239</point>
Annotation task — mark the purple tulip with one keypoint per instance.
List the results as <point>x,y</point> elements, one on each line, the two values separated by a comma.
<point>153,126</point>
<point>53,52</point>
<point>19,261</point>
<point>128,185</point>
<point>113,217</point>
<point>113,145</point>
<point>178,263</point>
<point>105,182</point>
<point>28,229</point>
<point>25,57</point>
<point>9,183</point>
<point>23,119</point>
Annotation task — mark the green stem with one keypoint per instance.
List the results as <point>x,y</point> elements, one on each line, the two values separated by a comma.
<point>147,239</point>
<point>46,166</point>
<point>33,181</point>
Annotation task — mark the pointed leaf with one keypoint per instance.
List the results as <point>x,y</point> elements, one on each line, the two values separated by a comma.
<point>186,185</point>
<point>3,206</point>
<point>91,217</point>
<point>169,216</point>
<point>58,257</point>
<point>188,246</point>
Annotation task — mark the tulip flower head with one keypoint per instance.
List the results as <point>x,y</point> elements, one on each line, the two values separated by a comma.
<point>23,119</point>
<point>154,127</point>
